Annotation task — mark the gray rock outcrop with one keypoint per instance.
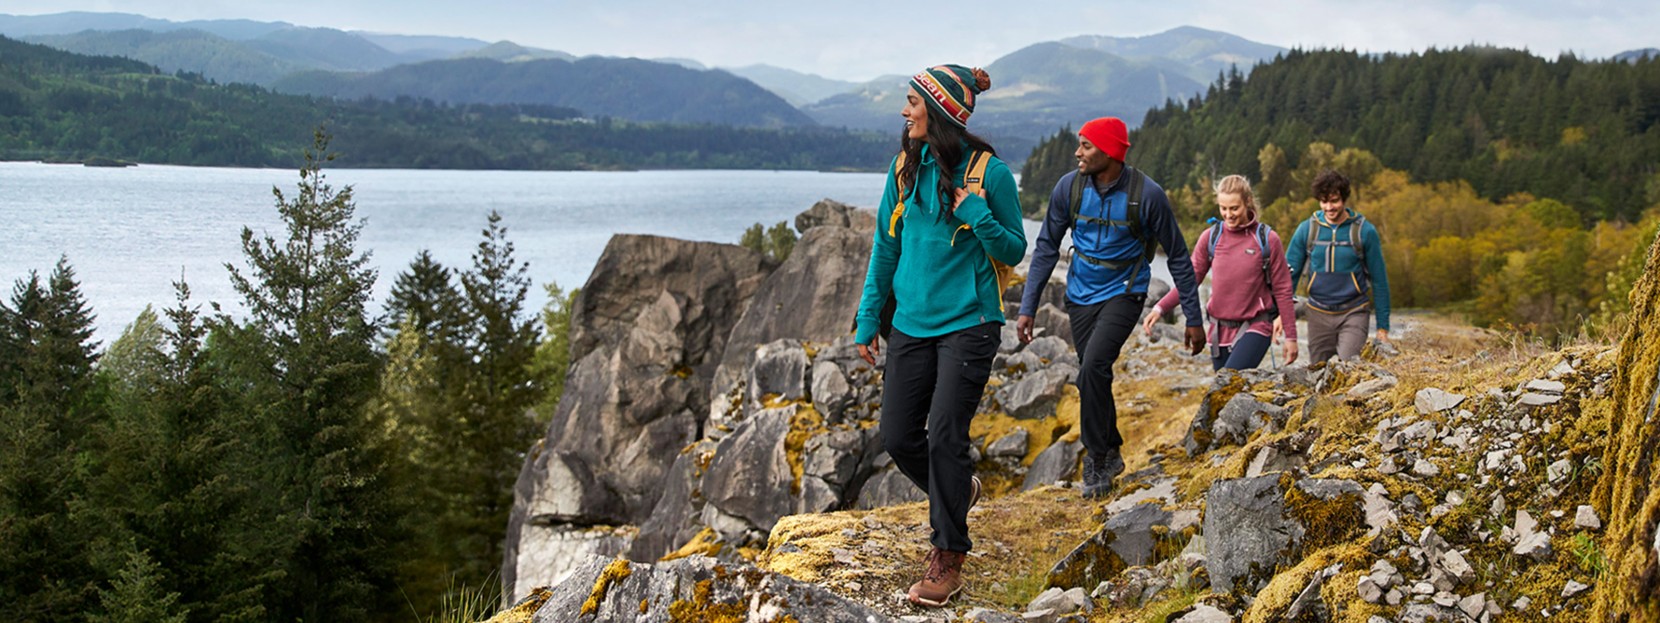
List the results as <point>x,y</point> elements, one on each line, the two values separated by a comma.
<point>1230,415</point>
<point>1126,540</point>
<point>1254,525</point>
<point>694,588</point>
<point>832,213</point>
<point>1056,463</point>
<point>811,297</point>
<point>646,333</point>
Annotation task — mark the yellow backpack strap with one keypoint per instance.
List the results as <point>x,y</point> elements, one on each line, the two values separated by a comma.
<point>975,182</point>
<point>898,206</point>
<point>975,179</point>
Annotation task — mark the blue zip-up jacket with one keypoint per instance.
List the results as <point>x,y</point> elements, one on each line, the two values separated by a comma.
<point>1088,283</point>
<point>1334,284</point>
<point>939,268</point>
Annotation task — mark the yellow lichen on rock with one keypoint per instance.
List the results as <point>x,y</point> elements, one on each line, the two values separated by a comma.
<point>702,609</point>
<point>804,425</point>
<point>525,610</point>
<point>706,542</point>
<point>1275,598</point>
<point>617,571</point>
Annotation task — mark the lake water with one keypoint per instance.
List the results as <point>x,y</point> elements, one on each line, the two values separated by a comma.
<point>129,233</point>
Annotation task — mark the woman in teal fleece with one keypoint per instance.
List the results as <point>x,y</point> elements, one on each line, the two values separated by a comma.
<point>934,248</point>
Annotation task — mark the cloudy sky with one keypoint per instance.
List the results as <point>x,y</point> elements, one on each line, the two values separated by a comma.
<point>862,39</point>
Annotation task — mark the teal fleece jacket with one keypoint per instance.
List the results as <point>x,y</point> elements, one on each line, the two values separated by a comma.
<point>937,267</point>
<point>1335,271</point>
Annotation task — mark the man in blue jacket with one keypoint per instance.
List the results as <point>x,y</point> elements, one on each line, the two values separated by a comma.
<point>1343,255</point>
<point>1116,215</point>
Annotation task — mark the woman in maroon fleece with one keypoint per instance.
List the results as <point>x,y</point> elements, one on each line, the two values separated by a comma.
<point>1247,292</point>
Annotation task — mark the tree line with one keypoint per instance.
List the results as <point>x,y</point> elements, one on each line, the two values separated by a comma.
<point>1583,132</point>
<point>310,461</point>
<point>56,105</point>
<point>1517,190</point>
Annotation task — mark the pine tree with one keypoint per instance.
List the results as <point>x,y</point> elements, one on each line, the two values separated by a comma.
<point>165,484</point>
<point>307,352</point>
<point>501,389</point>
<point>48,400</point>
<point>426,293</point>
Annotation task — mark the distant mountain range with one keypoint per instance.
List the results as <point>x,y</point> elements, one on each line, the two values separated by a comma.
<point>625,88</point>
<point>797,88</point>
<point>1205,53</point>
<point>1632,56</point>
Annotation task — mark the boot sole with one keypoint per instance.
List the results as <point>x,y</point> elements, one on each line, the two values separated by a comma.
<point>924,601</point>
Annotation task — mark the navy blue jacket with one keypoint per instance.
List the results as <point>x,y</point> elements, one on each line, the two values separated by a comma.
<point>1088,283</point>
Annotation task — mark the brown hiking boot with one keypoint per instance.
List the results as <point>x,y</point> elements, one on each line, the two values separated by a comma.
<point>973,491</point>
<point>942,581</point>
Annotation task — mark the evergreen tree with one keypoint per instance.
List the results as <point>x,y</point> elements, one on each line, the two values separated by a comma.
<point>553,355</point>
<point>48,400</point>
<point>307,356</point>
<point>1049,161</point>
<point>166,486</point>
<point>426,293</point>
<point>501,389</point>
<point>138,596</point>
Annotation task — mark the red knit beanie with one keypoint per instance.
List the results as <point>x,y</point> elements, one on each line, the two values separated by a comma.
<point>1108,134</point>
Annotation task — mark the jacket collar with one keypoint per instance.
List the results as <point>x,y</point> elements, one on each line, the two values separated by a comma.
<point>1320,217</point>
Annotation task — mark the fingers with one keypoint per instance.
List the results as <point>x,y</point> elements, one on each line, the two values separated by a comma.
<point>865,354</point>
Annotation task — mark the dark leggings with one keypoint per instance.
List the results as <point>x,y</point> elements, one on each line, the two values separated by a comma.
<point>1246,352</point>
<point>930,391</point>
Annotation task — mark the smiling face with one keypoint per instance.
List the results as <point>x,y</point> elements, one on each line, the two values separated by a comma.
<point>1232,206</point>
<point>1091,160</point>
<point>1333,207</point>
<point>916,116</point>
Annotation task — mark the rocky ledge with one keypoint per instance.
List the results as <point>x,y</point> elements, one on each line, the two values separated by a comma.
<point>1464,477</point>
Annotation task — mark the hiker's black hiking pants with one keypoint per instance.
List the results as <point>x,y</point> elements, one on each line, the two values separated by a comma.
<point>1098,334</point>
<point>930,391</point>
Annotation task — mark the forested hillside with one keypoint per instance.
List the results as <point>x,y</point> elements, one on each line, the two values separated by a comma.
<point>1506,121</point>
<point>1507,186</point>
<point>58,105</point>
<point>626,88</point>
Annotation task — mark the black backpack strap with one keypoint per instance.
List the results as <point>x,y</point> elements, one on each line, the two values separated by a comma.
<point>1357,240</point>
<point>1077,197</point>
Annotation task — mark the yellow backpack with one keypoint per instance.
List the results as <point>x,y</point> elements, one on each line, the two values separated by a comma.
<point>974,182</point>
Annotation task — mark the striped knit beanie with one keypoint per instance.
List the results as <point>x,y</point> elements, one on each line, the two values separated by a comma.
<point>950,90</point>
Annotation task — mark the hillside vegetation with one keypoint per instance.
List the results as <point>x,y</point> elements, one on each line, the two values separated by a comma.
<point>58,105</point>
<point>1497,195</point>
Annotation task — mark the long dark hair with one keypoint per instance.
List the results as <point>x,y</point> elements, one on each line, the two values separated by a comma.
<point>948,141</point>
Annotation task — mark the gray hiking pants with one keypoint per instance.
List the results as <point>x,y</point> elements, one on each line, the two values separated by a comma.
<point>1340,333</point>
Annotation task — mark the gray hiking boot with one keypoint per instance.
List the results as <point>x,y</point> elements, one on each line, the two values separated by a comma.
<point>1099,472</point>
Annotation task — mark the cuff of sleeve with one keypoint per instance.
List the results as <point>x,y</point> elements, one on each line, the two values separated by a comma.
<point>866,331</point>
<point>974,210</point>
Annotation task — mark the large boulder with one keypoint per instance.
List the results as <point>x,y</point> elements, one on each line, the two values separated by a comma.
<point>750,476</point>
<point>1254,526</point>
<point>811,297</point>
<point>646,334</point>
<point>674,520</point>
<point>693,589</point>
